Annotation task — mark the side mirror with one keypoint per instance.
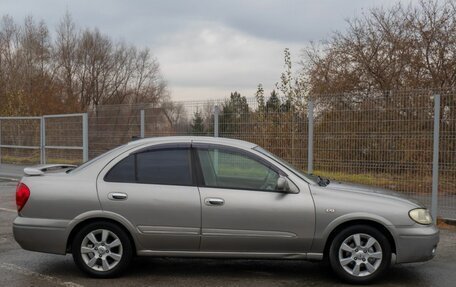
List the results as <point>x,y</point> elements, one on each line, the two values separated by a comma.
<point>285,185</point>
<point>282,184</point>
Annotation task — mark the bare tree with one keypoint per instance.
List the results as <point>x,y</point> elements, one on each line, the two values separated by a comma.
<point>76,71</point>
<point>386,49</point>
<point>65,57</point>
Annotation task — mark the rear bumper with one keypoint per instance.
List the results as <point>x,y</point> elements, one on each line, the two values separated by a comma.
<point>416,244</point>
<point>42,235</point>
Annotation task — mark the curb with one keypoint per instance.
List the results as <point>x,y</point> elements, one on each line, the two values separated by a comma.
<point>10,176</point>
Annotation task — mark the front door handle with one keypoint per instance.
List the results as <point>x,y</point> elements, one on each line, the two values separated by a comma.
<point>214,201</point>
<point>117,196</point>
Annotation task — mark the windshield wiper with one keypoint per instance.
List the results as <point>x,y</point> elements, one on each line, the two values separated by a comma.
<point>322,181</point>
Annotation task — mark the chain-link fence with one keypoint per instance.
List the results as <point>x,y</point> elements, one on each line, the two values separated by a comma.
<point>380,138</point>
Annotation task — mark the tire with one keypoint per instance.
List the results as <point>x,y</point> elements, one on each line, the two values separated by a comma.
<point>360,263</point>
<point>102,249</point>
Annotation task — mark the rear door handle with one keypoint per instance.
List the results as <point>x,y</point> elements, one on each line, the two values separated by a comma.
<point>214,201</point>
<point>117,196</point>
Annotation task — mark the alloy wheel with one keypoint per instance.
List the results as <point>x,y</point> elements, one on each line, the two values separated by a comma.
<point>360,255</point>
<point>101,250</point>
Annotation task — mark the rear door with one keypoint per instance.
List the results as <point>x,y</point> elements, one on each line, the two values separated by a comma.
<point>154,188</point>
<point>242,210</point>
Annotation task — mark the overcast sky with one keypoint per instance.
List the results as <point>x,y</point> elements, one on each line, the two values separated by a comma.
<point>207,48</point>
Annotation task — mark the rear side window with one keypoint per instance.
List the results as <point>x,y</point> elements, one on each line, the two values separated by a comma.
<point>170,166</point>
<point>165,166</point>
<point>123,171</point>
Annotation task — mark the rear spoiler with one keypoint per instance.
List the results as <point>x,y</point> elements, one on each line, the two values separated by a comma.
<point>41,169</point>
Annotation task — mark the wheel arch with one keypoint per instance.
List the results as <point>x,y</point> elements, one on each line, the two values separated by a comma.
<point>89,220</point>
<point>375,224</point>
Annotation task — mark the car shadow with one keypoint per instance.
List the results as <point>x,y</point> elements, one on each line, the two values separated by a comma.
<point>228,272</point>
<point>265,270</point>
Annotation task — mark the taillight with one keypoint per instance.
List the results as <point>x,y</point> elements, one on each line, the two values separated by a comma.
<point>22,195</point>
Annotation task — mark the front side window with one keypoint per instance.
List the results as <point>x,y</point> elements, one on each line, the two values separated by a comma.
<point>231,169</point>
<point>305,176</point>
<point>164,166</point>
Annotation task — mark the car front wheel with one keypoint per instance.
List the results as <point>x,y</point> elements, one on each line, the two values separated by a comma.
<point>102,249</point>
<point>360,254</point>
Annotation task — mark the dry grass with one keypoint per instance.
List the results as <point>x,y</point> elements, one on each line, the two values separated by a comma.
<point>443,224</point>
<point>362,178</point>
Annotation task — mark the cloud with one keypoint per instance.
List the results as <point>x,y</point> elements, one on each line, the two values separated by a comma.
<point>207,47</point>
<point>207,54</point>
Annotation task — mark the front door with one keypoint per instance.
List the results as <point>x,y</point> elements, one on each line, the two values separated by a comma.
<point>242,211</point>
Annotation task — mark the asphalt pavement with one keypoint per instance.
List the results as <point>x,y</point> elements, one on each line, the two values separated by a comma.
<point>11,171</point>
<point>24,268</point>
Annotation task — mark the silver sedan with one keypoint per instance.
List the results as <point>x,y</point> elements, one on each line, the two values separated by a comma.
<point>214,197</point>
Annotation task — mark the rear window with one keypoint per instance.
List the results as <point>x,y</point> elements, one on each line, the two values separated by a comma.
<point>166,166</point>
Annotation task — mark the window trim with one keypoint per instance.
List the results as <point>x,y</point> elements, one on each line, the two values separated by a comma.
<point>204,146</point>
<point>163,146</point>
<point>195,164</point>
<point>241,151</point>
<point>198,171</point>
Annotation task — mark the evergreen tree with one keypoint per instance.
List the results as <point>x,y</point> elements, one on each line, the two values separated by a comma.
<point>259,95</point>
<point>273,104</point>
<point>198,123</point>
<point>234,112</point>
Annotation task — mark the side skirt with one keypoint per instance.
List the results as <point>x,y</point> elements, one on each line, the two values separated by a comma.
<point>246,255</point>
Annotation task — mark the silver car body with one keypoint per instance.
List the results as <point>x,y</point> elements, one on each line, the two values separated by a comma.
<point>167,220</point>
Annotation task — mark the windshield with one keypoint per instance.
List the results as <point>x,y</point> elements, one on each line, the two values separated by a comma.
<point>305,176</point>
<point>87,163</point>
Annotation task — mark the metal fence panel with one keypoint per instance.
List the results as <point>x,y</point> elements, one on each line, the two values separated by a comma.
<point>375,138</point>
<point>46,139</point>
<point>382,139</point>
<point>447,155</point>
<point>20,140</point>
<point>63,138</point>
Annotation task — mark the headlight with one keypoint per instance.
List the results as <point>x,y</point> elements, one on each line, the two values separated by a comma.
<point>421,216</point>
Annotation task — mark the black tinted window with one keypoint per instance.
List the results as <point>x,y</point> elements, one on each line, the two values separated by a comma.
<point>123,171</point>
<point>169,166</point>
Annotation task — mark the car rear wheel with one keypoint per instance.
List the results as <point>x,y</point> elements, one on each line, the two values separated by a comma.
<point>102,249</point>
<point>360,254</point>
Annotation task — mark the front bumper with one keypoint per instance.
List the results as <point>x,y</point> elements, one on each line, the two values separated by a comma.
<point>416,244</point>
<point>42,235</point>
